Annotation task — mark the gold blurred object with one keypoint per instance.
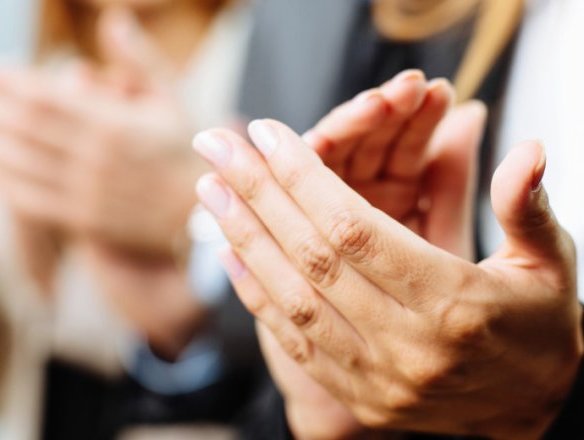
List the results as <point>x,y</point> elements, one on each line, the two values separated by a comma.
<point>414,20</point>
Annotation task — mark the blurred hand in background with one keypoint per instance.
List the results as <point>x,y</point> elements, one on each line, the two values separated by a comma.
<point>99,158</point>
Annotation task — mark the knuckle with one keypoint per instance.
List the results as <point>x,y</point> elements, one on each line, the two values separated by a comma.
<point>255,304</point>
<point>400,402</point>
<point>290,178</point>
<point>467,326</point>
<point>301,309</point>
<point>242,237</point>
<point>251,183</point>
<point>352,236</point>
<point>437,373</point>
<point>469,333</point>
<point>320,263</point>
<point>298,350</point>
<point>352,360</point>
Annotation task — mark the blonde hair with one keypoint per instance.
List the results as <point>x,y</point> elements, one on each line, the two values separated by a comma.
<point>497,22</point>
<point>72,24</point>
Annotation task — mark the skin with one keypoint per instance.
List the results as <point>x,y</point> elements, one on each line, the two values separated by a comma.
<point>466,355</point>
<point>376,131</point>
<point>83,156</point>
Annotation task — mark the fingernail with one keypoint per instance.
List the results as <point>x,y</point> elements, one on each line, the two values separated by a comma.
<point>539,172</point>
<point>364,96</point>
<point>264,137</point>
<point>445,86</point>
<point>412,74</point>
<point>404,83</point>
<point>213,195</point>
<point>232,264</point>
<point>213,148</point>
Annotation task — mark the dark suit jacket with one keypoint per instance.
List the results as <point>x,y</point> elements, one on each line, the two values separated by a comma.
<point>80,404</point>
<point>305,57</point>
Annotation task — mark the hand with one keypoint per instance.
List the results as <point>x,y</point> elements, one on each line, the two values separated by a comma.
<point>152,294</point>
<point>92,158</point>
<point>399,118</point>
<point>405,334</point>
<point>395,147</point>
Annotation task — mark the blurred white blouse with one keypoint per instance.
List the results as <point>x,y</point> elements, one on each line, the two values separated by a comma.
<point>544,101</point>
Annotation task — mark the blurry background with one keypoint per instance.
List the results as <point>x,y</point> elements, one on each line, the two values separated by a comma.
<point>16,36</point>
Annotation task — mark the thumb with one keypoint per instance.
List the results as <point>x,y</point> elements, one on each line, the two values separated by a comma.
<point>521,205</point>
<point>126,47</point>
<point>451,180</point>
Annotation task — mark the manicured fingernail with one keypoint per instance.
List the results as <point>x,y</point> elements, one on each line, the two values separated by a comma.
<point>213,195</point>
<point>264,136</point>
<point>213,148</point>
<point>232,264</point>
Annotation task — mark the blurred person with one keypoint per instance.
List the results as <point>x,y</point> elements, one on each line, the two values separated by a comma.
<point>90,153</point>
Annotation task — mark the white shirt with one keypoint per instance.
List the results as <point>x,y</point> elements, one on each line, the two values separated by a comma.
<point>545,101</point>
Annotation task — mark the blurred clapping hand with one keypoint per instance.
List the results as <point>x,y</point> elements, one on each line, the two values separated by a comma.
<point>97,159</point>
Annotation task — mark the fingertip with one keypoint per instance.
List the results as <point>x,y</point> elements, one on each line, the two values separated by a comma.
<point>370,110</point>
<point>442,89</point>
<point>405,92</point>
<point>203,182</point>
<point>214,194</point>
<point>411,74</point>
<point>518,175</point>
